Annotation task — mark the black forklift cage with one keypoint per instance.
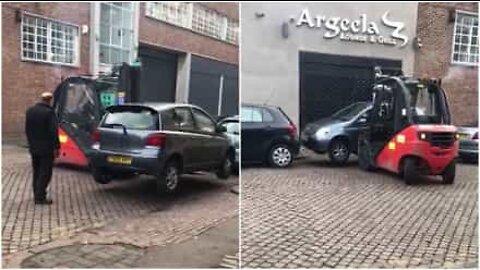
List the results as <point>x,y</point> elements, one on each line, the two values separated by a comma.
<point>401,81</point>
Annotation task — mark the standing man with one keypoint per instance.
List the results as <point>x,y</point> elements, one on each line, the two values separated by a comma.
<point>41,128</point>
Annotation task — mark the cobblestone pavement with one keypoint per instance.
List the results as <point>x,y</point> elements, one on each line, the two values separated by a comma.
<point>81,205</point>
<point>317,215</point>
<point>85,256</point>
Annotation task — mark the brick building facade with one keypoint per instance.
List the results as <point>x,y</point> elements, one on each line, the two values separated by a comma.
<point>436,29</point>
<point>33,64</point>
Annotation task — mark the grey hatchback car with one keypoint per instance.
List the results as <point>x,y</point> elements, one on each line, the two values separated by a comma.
<point>159,139</point>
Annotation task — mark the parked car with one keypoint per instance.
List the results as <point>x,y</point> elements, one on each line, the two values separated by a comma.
<point>268,136</point>
<point>468,137</point>
<point>159,139</point>
<point>337,135</point>
<point>232,131</point>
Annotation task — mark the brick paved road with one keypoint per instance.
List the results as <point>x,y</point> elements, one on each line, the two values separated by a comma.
<point>81,204</point>
<point>86,256</point>
<point>316,215</point>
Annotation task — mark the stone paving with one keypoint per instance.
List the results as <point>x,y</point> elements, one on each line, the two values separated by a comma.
<point>315,215</point>
<point>86,256</point>
<point>126,212</point>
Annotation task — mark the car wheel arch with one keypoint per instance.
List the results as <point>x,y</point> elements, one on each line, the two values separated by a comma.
<point>342,137</point>
<point>178,159</point>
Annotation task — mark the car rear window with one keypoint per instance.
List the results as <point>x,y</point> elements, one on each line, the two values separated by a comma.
<point>132,118</point>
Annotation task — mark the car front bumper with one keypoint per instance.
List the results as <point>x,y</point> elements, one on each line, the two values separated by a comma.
<point>318,146</point>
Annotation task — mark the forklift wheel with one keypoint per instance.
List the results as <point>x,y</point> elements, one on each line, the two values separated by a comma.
<point>448,175</point>
<point>410,174</point>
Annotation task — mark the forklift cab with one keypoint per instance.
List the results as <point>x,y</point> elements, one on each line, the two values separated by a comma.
<point>80,103</point>
<point>409,125</point>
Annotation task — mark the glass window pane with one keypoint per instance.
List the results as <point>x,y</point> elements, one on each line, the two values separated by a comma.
<point>104,54</point>
<point>105,11</point>
<point>104,33</point>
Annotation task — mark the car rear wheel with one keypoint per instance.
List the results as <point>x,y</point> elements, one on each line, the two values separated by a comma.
<point>225,169</point>
<point>280,156</point>
<point>410,173</point>
<point>101,176</point>
<point>339,151</point>
<point>167,182</point>
<point>448,175</point>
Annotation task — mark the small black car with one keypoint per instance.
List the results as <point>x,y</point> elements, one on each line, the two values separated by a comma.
<point>268,136</point>
<point>337,135</point>
<point>159,139</point>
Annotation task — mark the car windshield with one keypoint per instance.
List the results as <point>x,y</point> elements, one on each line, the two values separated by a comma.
<point>350,111</point>
<point>232,127</point>
<point>425,104</point>
<point>139,119</point>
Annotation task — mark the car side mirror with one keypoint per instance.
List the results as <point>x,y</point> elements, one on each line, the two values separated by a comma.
<point>362,120</point>
<point>220,129</point>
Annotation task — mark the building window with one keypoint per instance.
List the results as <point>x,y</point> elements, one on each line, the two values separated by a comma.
<point>232,32</point>
<point>176,13</point>
<point>49,41</point>
<point>195,17</point>
<point>208,22</point>
<point>465,45</point>
<point>116,32</point>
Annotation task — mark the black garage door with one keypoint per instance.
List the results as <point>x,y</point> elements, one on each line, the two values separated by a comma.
<point>208,80</point>
<point>158,75</point>
<point>331,82</point>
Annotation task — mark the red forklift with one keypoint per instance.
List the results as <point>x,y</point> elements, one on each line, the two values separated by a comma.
<point>79,104</point>
<point>409,130</point>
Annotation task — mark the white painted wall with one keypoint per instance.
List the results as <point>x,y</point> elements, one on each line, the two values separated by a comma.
<point>270,62</point>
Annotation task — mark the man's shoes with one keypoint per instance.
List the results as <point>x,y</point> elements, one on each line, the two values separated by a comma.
<point>44,201</point>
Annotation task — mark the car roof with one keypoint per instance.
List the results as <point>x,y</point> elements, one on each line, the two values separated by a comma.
<point>260,105</point>
<point>158,106</point>
<point>230,118</point>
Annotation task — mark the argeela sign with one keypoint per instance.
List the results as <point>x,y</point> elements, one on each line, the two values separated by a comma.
<point>357,30</point>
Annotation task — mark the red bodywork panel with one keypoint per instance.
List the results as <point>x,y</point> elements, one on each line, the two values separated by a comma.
<point>436,158</point>
<point>70,153</point>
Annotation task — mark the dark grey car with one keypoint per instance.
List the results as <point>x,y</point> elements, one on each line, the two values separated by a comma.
<point>468,138</point>
<point>159,139</point>
<point>337,135</point>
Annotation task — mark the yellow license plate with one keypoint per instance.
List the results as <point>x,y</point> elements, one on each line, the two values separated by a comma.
<point>463,136</point>
<point>119,160</point>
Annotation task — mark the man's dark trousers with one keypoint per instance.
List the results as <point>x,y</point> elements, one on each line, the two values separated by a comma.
<point>42,174</point>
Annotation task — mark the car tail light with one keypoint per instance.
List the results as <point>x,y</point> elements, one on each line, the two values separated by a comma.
<point>292,130</point>
<point>475,136</point>
<point>156,140</point>
<point>96,136</point>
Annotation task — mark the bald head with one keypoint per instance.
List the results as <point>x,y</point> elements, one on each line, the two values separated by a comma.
<point>46,97</point>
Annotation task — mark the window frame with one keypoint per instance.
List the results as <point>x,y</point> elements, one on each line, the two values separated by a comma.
<point>112,25</point>
<point>452,60</point>
<point>194,125</point>
<point>76,43</point>
<point>193,109</point>
<point>226,23</point>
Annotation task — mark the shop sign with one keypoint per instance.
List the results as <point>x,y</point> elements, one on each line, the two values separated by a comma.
<point>355,30</point>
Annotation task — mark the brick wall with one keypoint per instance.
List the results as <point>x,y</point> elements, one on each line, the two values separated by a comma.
<point>23,81</point>
<point>157,33</point>
<point>434,59</point>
